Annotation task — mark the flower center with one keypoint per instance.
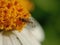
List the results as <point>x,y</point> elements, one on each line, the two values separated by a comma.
<point>11,15</point>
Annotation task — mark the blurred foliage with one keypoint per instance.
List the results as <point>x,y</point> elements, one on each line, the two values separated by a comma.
<point>47,12</point>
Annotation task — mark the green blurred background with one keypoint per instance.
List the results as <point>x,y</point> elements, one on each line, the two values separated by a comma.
<point>47,13</point>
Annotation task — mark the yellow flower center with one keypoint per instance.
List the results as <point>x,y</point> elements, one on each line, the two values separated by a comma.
<point>11,15</point>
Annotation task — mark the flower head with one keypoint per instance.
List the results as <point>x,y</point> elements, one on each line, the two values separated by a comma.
<point>14,15</point>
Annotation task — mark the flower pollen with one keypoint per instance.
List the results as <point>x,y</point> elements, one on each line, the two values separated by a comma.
<point>10,12</point>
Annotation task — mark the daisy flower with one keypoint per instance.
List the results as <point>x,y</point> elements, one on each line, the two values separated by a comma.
<point>17,26</point>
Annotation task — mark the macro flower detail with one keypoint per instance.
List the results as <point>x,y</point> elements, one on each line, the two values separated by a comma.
<point>17,26</point>
<point>10,14</point>
<point>28,36</point>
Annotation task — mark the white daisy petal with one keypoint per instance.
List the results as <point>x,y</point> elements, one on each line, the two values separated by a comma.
<point>1,40</point>
<point>30,38</point>
<point>21,38</point>
<point>37,31</point>
<point>6,40</point>
<point>14,40</point>
<point>26,39</point>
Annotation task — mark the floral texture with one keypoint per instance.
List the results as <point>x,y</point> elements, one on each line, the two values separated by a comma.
<point>11,14</point>
<point>14,15</point>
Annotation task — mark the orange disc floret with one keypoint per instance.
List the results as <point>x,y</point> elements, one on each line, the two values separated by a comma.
<point>11,15</point>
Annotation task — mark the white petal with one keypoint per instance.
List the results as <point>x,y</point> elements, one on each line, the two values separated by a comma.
<point>36,31</point>
<point>1,40</point>
<point>14,40</point>
<point>26,39</point>
<point>21,38</point>
<point>6,40</point>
